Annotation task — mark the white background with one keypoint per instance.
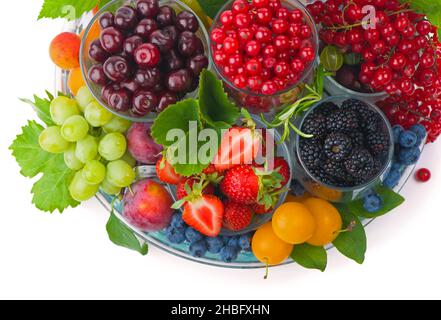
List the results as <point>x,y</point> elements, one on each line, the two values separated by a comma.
<point>70,256</point>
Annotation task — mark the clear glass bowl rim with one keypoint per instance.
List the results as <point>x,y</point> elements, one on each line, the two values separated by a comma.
<point>83,57</point>
<point>390,153</point>
<point>306,72</point>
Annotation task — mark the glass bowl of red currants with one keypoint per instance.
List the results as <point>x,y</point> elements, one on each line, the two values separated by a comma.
<point>140,56</point>
<point>264,51</point>
<point>350,152</point>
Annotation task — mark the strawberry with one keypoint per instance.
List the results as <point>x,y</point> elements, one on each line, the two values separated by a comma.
<point>211,169</point>
<point>238,146</point>
<point>166,173</point>
<point>237,216</point>
<point>261,209</point>
<point>241,185</point>
<point>186,186</point>
<point>204,213</point>
<point>282,167</point>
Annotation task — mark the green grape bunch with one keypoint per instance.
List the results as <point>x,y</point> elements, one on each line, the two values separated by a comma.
<point>93,144</point>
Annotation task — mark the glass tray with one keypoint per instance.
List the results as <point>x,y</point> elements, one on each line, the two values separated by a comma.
<point>245,260</point>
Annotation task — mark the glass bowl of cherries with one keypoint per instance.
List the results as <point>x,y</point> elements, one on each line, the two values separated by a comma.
<point>264,50</point>
<point>140,56</point>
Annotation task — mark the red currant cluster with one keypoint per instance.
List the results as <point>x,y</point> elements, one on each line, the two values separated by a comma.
<point>400,55</point>
<point>262,46</point>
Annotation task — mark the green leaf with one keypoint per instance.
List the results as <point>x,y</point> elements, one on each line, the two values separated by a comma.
<point>122,236</point>
<point>212,7</point>
<point>351,243</point>
<point>69,9</point>
<point>391,200</point>
<point>51,192</point>
<point>188,168</point>
<point>42,108</point>
<point>430,8</point>
<point>176,116</point>
<point>216,109</point>
<point>26,150</point>
<point>310,257</point>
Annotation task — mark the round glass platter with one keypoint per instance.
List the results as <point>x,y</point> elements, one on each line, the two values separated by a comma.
<point>245,260</point>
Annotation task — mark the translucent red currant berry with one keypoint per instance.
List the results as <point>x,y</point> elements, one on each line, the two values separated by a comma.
<point>240,6</point>
<point>264,16</point>
<point>409,32</point>
<point>231,45</point>
<point>269,87</point>
<point>353,13</point>
<point>218,35</point>
<point>252,48</point>
<point>423,175</point>
<point>279,26</point>
<point>269,51</point>
<point>371,35</point>
<point>220,58</point>
<point>253,67</point>
<point>240,81</point>
<point>305,32</point>
<point>297,66</point>
<point>281,69</point>
<point>254,83</point>
<point>274,4</point>
<point>242,20</point>
<point>283,13</point>
<point>307,54</point>
<point>424,27</point>
<point>245,35</point>
<point>235,60</point>
<point>227,18</point>
<point>401,23</point>
<point>269,62</point>
<point>296,16</point>
<point>296,43</point>
<point>397,61</point>
<point>263,35</point>
<point>260,3</point>
<point>281,43</point>
<point>427,60</point>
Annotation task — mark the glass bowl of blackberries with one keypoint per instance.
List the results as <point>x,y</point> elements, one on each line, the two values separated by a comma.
<point>346,150</point>
<point>140,56</point>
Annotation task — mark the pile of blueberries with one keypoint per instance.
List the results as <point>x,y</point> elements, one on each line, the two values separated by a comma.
<point>407,153</point>
<point>228,247</point>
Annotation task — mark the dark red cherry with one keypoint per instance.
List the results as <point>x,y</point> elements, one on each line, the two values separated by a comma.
<point>189,44</point>
<point>148,8</point>
<point>166,16</point>
<point>130,45</point>
<point>126,18</point>
<point>180,81</point>
<point>147,78</point>
<point>166,99</point>
<point>145,27</point>
<point>97,75</point>
<point>117,68</point>
<point>162,39</point>
<point>112,40</point>
<point>147,55</point>
<point>108,90</point>
<point>187,21</point>
<point>119,100</point>
<point>97,52</point>
<point>107,19</point>
<point>143,102</point>
<point>197,64</point>
<point>130,84</point>
<point>172,62</point>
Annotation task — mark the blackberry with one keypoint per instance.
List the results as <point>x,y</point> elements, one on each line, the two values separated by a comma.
<point>326,108</point>
<point>360,164</point>
<point>378,143</point>
<point>322,176</point>
<point>311,153</point>
<point>368,120</point>
<point>357,138</point>
<point>337,146</point>
<point>315,125</point>
<point>336,170</point>
<point>342,121</point>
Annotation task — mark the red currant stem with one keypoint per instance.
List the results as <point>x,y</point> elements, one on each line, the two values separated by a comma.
<point>347,26</point>
<point>399,11</point>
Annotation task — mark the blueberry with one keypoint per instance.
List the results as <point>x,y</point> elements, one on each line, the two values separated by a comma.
<point>177,221</point>
<point>397,131</point>
<point>198,249</point>
<point>192,235</point>
<point>297,189</point>
<point>397,166</point>
<point>409,156</point>
<point>408,139</point>
<point>233,242</point>
<point>420,131</point>
<point>372,203</point>
<point>392,179</point>
<point>245,242</point>
<point>215,245</point>
<point>229,253</point>
<point>175,235</point>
